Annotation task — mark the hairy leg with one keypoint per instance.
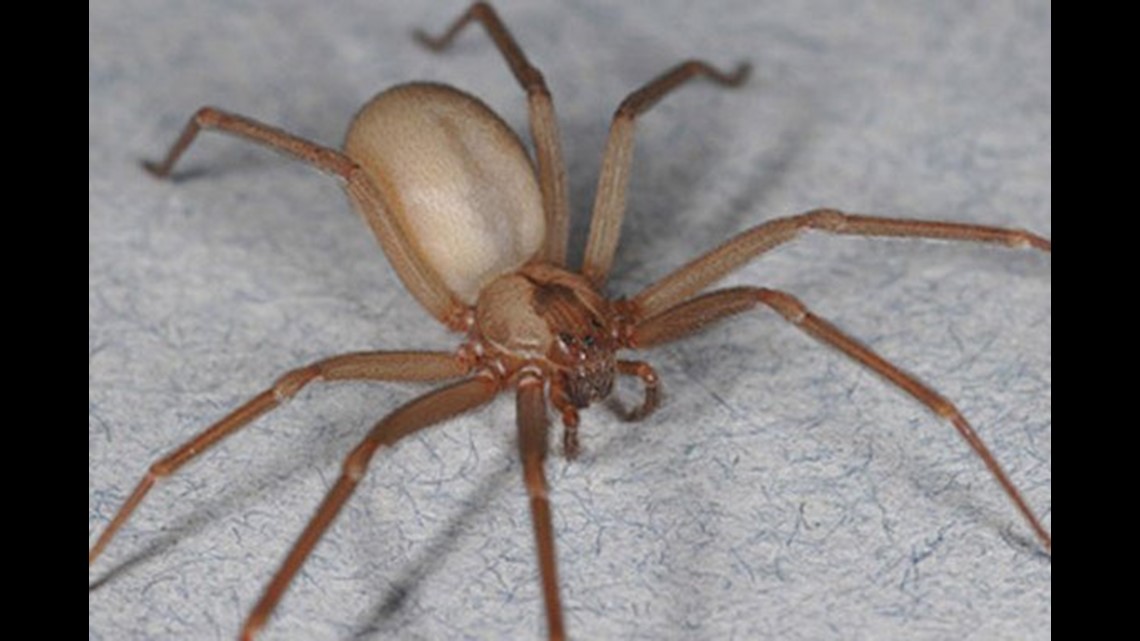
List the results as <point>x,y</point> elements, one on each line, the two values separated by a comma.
<point>533,427</point>
<point>710,267</point>
<point>652,383</point>
<point>374,366</point>
<point>690,316</point>
<point>420,280</point>
<point>543,122</point>
<point>425,411</point>
<point>609,202</point>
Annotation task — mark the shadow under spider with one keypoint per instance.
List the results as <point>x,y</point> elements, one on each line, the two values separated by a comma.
<point>429,559</point>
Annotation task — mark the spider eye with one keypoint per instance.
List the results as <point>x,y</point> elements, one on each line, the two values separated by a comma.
<point>596,323</point>
<point>566,338</point>
<point>588,340</point>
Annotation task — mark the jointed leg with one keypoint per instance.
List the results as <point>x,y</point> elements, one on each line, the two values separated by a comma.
<point>425,411</point>
<point>703,271</point>
<point>420,280</point>
<point>609,202</point>
<point>696,313</point>
<point>543,122</point>
<point>323,158</point>
<point>652,388</point>
<point>377,366</point>
<point>533,426</point>
<point>560,399</point>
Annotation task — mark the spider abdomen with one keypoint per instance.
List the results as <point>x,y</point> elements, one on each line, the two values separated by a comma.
<point>456,180</point>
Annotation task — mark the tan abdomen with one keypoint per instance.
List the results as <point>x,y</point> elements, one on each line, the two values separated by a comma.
<point>456,180</point>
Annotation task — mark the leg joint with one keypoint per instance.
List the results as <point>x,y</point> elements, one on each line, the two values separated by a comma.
<point>356,464</point>
<point>944,408</point>
<point>481,10</point>
<point>292,382</point>
<point>208,117</point>
<point>533,82</point>
<point>535,481</point>
<point>828,219</point>
<point>786,305</point>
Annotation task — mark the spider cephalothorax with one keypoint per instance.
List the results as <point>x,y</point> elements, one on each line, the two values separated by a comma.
<point>552,319</point>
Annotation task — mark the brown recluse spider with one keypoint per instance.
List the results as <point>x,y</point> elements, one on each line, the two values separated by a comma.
<point>426,165</point>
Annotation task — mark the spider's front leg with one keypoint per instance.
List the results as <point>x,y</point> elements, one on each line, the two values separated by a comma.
<point>613,179</point>
<point>688,317</point>
<point>649,380</point>
<point>560,399</point>
<point>425,411</point>
<point>699,273</point>
<point>533,427</point>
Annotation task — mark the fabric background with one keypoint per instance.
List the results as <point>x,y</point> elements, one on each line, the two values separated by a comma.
<point>780,492</point>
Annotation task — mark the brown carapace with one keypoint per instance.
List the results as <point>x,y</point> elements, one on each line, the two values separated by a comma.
<point>478,232</point>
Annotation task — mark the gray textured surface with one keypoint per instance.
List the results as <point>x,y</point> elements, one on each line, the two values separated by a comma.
<point>779,493</point>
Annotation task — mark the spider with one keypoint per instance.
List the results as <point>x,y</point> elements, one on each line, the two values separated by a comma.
<point>530,326</point>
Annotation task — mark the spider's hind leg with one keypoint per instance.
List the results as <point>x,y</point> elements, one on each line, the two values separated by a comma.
<point>543,122</point>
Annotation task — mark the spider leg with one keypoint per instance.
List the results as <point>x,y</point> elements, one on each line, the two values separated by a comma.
<point>710,267</point>
<point>652,384</point>
<point>327,160</point>
<point>376,366</point>
<point>422,412</point>
<point>533,427</point>
<point>560,399</point>
<point>543,122</point>
<point>421,281</point>
<point>609,201</point>
<point>691,315</point>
